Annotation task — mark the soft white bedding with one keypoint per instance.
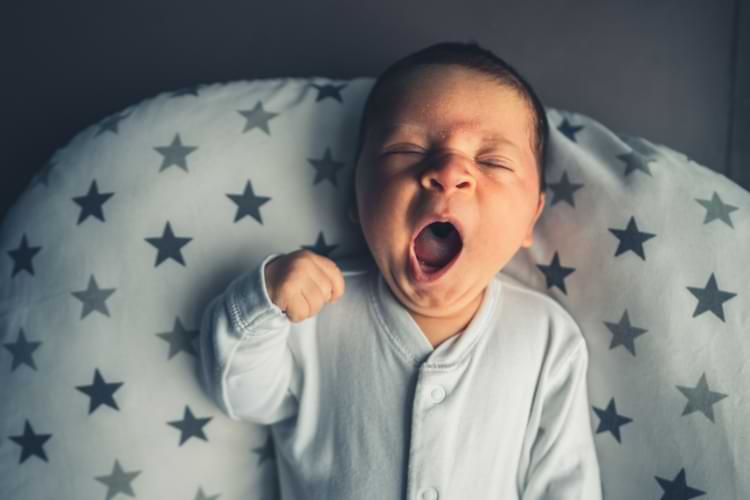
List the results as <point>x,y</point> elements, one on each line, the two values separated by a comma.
<point>121,240</point>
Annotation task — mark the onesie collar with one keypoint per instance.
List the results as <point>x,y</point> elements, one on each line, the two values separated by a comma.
<point>406,335</point>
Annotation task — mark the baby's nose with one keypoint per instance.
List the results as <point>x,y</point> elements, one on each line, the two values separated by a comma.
<point>447,172</point>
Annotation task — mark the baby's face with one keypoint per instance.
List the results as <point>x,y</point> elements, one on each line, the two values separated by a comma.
<point>450,141</point>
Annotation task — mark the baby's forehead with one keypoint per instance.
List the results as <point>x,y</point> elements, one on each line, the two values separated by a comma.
<point>395,98</point>
<point>398,118</point>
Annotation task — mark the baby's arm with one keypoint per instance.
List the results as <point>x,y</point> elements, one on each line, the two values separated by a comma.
<point>248,368</point>
<point>563,464</point>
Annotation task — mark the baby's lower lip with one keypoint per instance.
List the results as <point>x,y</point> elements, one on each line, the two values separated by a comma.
<point>420,276</point>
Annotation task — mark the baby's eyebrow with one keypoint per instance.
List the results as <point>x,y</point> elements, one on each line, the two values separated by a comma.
<point>398,127</point>
<point>498,141</point>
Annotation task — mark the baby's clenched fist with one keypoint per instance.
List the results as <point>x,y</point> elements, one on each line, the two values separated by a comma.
<point>300,283</point>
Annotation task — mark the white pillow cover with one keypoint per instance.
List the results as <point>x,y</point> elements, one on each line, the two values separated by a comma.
<point>125,235</point>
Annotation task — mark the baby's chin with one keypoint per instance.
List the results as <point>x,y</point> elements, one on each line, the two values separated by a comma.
<point>451,296</point>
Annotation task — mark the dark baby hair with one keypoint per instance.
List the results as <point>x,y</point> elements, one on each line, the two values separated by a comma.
<point>469,55</point>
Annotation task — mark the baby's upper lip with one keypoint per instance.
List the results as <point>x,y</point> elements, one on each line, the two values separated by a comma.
<point>438,216</point>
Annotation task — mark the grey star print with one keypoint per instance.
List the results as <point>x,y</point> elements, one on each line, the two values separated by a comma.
<point>569,130</point>
<point>190,426</point>
<point>610,421</point>
<point>248,203</point>
<point>22,257</point>
<point>257,118</point>
<point>168,246</point>
<point>100,392</point>
<point>326,167</point>
<point>329,90</point>
<point>643,148</point>
<point>175,154</point>
<point>623,333</point>
<point>555,274</point>
<point>202,496</point>
<point>563,190</point>
<point>701,398</point>
<point>22,351</point>
<point>677,489</point>
<point>180,339</point>
<point>118,481</point>
<point>717,209</point>
<point>320,247</point>
<point>710,298</point>
<point>111,123</point>
<point>634,163</point>
<point>91,203</point>
<point>94,298</point>
<point>31,443</point>
<point>631,239</point>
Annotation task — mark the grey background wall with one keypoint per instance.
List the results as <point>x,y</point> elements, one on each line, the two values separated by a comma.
<point>673,71</point>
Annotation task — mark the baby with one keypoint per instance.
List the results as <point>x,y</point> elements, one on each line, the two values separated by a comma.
<point>428,374</point>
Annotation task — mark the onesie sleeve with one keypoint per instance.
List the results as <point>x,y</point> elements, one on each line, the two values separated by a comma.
<point>563,463</point>
<point>247,366</point>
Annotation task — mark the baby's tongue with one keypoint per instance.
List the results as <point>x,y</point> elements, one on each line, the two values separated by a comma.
<point>436,251</point>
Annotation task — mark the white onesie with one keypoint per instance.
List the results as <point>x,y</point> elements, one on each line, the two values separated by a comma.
<point>361,406</point>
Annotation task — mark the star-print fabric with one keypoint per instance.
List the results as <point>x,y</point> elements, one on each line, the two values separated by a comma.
<point>125,235</point>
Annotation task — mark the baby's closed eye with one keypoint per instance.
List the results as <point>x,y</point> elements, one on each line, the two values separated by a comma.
<point>414,150</point>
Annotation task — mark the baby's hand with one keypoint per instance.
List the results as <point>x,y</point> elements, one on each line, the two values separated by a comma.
<point>302,282</point>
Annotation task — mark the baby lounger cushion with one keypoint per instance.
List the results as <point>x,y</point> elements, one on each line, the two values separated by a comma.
<point>120,241</point>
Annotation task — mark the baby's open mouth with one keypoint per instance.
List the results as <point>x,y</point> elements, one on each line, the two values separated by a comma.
<point>436,246</point>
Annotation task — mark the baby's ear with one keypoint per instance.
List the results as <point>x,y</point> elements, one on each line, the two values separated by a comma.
<point>529,239</point>
<point>540,207</point>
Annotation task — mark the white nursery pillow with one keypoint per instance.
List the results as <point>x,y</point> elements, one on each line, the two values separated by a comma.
<point>126,234</point>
